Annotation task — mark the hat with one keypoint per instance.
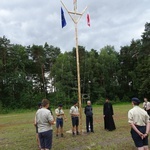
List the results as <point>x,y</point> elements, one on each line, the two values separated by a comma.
<point>134,99</point>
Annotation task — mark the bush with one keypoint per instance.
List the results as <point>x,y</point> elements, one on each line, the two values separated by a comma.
<point>101,101</point>
<point>125,99</point>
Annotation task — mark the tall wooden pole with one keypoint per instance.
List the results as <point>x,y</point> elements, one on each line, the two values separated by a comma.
<point>76,20</point>
<point>78,75</point>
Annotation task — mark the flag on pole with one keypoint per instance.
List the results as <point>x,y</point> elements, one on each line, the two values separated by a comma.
<point>63,20</point>
<point>88,20</point>
<point>75,4</point>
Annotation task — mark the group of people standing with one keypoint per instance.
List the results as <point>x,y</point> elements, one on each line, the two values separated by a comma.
<point>44,120</point>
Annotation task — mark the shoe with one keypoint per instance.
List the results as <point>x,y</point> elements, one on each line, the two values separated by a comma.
<point>62,135</point>
<point>73,133</point>
<point>77,133</point>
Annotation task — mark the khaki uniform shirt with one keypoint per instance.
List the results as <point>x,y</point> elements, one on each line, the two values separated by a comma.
<point>138,116</point>
<point>59,112</point>
<point>146,105</point>
<point>74,110</point>
<point>43,117</point>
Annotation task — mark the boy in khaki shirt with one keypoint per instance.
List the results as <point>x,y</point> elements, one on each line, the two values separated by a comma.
<point>139,122</point>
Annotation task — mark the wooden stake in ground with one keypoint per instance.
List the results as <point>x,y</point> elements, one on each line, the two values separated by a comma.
<point>75,16</point>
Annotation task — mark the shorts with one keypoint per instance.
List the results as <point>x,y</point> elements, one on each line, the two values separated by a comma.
<point>75,121</point>
<point>139,142</point>
<point>59,122</point>
<point>46,139</point>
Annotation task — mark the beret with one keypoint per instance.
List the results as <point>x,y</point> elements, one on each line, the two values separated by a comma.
<point>135,100</point>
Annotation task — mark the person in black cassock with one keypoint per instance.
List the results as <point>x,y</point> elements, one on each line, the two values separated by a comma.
<point>108,116</point>
<point>89,117</point>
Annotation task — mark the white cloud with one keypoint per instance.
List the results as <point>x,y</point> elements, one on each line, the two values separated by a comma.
<point>113,22</point>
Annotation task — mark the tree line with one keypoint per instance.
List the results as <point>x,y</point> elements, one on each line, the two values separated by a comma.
<point>31,73</point>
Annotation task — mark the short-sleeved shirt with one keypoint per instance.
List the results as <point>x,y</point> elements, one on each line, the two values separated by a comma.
<point>59,112</point>
<point>146,105</point>
<point>138,116</point>
<point>43,117</point>
<point>74,110</point>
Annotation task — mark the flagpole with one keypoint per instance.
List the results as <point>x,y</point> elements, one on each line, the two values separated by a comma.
<point>78,75</point>
<point>75,20</point>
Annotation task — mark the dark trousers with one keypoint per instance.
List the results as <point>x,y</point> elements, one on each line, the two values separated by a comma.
<point>89,121</point>
<point>46,139</point>
<point>148,111</point>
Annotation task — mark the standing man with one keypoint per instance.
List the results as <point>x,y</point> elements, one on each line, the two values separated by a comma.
<point>59,120</point>
<point>139,122</point>
<point>146,105</point>
<point>44,121</point>
<point>108,113</point>
<point>89,116</point>
<point>74,112</point>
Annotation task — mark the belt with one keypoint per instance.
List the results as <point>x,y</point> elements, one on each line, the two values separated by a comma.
<point>140,126</point>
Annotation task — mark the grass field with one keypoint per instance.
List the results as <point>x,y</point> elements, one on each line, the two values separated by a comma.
<point>17,132</point>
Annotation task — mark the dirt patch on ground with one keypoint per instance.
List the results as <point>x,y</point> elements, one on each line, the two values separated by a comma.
<point>14,124</point>
<point>8,116</point>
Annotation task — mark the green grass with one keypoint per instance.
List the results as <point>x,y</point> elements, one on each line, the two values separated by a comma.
<point>17,132</point>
